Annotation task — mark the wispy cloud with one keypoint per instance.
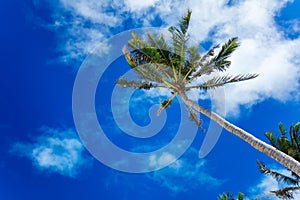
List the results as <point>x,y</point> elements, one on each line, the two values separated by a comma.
<point>58,151</point>
<point>189,172</point>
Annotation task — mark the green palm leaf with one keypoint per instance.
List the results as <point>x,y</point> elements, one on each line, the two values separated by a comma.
<point>193,116</point>
<point>135,84</point>
<point>221,81</point>
<point>286,192</point>
<point>276,175</point>
<point>271,137</point>
<point>229,196</point>
<point>282,143</point>
<point>240,196</point>
<point>220,61</point>
<point>184,22</point>
<point>163,105</point>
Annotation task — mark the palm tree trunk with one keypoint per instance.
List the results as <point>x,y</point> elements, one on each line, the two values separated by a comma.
<point>287,161</point>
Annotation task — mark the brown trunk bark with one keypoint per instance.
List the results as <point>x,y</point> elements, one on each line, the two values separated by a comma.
<point>284,159</point>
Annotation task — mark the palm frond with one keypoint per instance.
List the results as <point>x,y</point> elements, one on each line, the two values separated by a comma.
<point>219,62</point>
<point>226,196</point>
<point>281,143</point>
<point>159,42</point>
<point>193,55</point>
<point>179,48</point>
<point>136,84</point>
<point>145,51</point>
<point>192,62</point>
<point>184,22</point>
<point>162,47</point>
<point>296,127</point>
<point>204,70</point>
<point>146,61</point>
<point>282,129</point>
<point>129,58</point>
<point>180,38</point>
<point>286,192</point>
<point>229,196</point>
<point>204,67</point>
<point>222,80</point>
<point>193,116</point>
<point>150,72</point>
<point>210,53</point>
<point>240,196</point>
<point>163,105</point>
<point>276,175</point>
<point>289,146</point>
<point>271,137</point>
<point>293,151</point>
<point>295,140</point>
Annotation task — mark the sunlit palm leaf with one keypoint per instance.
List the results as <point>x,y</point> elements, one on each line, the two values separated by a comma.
<point>184,22</point>
<point>179,43</point>
<point>221,81</point>
<point>219,62</point>
<point>209,54</point>
<point>193,116</point>
<point>286,192</point>
<point>179,48</point>
<point>135,84</point>
<point>240,196</point>
<point>229,196</point>
<point>163,105</point>
<point>162,46</point>
<point>278,176</point>
<point>271,138</point>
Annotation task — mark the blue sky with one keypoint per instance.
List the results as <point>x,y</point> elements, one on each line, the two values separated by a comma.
<point>43,46</point>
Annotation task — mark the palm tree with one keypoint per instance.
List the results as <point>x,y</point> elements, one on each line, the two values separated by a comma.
<point>228,196</point>
<point>285,192</point>
<point>289,144</point>
<point>178,67</point>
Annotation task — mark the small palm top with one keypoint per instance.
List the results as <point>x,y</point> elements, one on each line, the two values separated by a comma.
<point>289,144</point>
<point>228,196</point>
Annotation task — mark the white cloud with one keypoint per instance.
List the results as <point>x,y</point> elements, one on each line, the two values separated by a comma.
<point>265,47</point>
<point>54,151</point>
<point>134,5</point>
<point>91,10</point>
<point>184,174</point>
<point>162,160</point>
<point>267,184</point>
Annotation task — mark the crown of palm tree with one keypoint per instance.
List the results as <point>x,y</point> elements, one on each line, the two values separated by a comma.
<point>289,144</point>
<point>175,65</point>
<point>229,196</point>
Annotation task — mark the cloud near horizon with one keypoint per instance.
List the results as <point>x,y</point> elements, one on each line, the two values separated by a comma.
<point>265,47</point>
<point>55,151</point>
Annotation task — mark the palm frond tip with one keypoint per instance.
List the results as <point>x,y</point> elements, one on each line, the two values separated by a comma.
<point>222,80</point>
